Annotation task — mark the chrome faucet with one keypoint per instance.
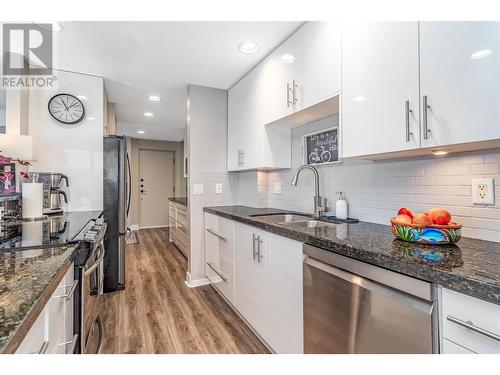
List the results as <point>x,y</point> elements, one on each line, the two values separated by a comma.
<point>319,202</point>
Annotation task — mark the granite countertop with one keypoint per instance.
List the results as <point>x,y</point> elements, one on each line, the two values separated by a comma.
<point>471,266</point>
<point>180,200</point>
<point>27,280</point>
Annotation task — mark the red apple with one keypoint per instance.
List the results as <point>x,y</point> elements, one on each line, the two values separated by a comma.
<point>439,216</point>
<point>422,219</point>
<point>406,211</point>
<point>403,219</point>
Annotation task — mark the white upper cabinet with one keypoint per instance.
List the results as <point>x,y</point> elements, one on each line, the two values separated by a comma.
<point>303,71</point>
<point>380,88</point>
<point>460,78</point>
<point>245,129</point>
<point>275,85</point>
<point>316,68</point>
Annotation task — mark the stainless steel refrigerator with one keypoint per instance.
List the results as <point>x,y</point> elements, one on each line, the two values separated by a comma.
<point>116,208</point>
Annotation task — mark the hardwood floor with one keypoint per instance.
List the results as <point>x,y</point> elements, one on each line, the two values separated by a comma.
<point>158,313</point>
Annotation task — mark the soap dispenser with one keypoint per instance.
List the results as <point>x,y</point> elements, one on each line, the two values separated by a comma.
<point>341,207</point>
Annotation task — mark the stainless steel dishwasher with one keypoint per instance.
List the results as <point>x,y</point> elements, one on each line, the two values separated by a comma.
<point>355,307</point>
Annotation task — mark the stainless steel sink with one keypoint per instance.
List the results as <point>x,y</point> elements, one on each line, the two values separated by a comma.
<point>307,224</point>
<point>283,218</point>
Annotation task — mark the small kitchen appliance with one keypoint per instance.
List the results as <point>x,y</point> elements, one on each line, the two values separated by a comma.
<point>52,192</point>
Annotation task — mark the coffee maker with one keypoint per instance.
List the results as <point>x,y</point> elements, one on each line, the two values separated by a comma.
<point>52,192</point>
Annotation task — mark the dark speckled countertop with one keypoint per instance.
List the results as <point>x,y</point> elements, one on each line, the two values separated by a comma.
<point>471,266</point>
<point>180,200</point>
<point>27,280</point>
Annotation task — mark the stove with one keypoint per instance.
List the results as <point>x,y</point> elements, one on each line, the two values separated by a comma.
<point>53,231</point>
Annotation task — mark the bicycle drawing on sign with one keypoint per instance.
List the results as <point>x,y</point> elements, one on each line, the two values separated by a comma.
<point>321,147</point>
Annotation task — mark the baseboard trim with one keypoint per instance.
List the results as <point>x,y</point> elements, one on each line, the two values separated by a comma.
<point>134,227</point>
<point>195,283</point>
<point>154,227</point>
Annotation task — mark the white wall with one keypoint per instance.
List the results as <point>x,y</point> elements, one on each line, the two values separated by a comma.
<point>376,190</point>
<point>75,150</point>
<point>206,146</point>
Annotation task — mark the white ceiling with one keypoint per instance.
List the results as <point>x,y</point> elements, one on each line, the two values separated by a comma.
<point>138,59</point>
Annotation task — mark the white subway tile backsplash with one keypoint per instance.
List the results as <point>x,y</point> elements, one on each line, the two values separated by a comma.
<point>489,168</point>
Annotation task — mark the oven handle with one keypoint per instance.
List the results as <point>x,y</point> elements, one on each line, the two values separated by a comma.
<point>97,262</point>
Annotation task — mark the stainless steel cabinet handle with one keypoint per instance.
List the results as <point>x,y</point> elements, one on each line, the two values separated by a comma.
<point>407,120</point>
<point>288,102</point>
<point>217,272</point>
<point>68,295</point>
<point>72,342</point>
<point>242,158</point>
<point>254,248</point>
<point>259,255</point>
<point>44,348</point>
<point>239,158</point>
<point>216,235</point>
<point>294,96</point>
<point>425,107</point>
<point>472,327</point>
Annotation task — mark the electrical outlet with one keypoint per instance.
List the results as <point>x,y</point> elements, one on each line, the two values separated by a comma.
<point>218,188</point>
<point>483,191</point>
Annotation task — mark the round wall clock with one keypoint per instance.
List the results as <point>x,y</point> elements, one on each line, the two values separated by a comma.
<point>66,108</point>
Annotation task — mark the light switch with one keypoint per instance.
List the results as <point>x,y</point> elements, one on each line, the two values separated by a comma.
<point>198,189</point>
<point>218,188</point>
<point>483,191</point>
<point>277,187</point>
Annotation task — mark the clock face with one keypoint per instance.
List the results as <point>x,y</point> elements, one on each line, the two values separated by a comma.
<point>66,108</point>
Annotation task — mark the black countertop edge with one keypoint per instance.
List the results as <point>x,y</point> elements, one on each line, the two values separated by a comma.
<point>31,316</point>
<point>488,291</point>
<point>179,200</point>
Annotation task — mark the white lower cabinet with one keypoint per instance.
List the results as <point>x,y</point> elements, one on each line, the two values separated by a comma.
<point>268,286</point>
<point>469,324</point>
<point>260,274</point>
<point>219,254</point>
<point>52,332</point>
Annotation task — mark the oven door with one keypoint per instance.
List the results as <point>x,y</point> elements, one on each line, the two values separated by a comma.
<point>92,332</point>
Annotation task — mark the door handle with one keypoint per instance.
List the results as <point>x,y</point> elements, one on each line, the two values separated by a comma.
<point>474,328</point>
<point>407,120</point>
<point>259,255</point>
<point>254,248</point>
<point>294,96</point>
<point>425,107</point>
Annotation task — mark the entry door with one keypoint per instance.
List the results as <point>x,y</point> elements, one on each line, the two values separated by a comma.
<point>156,185</point>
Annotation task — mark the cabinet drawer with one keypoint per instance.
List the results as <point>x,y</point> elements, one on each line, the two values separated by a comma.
<point>220,272</point>
<point>181,216</point>
<point>450,347</point>
<point>36,337</point>
<point>219,232</point>
<point>459,309</point>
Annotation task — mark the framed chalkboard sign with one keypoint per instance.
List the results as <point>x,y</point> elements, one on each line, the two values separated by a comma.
<point>321,147</point>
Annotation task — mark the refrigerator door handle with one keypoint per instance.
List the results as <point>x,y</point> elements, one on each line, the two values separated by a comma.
<point>129,183</point>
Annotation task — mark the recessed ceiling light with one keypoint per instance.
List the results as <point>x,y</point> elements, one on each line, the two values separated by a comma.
<point>287,58</point>
<point>140,131</point>
<point>440,152</point>
<point>154,98</point>
<point>359,99</point>
<point>480,54</point>
<point>81,97</point>
<point>56,26</point>
<point>149,114</point>
<point>249,47</point>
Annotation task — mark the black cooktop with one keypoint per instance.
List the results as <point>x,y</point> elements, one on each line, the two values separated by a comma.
<point>53,231</point>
